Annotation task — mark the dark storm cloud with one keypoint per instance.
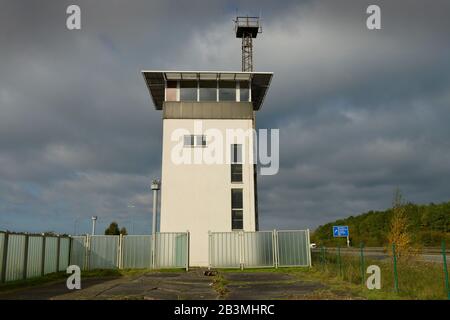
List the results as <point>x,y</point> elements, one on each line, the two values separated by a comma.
<point>360,112</point>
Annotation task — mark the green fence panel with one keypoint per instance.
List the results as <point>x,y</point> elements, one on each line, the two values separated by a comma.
<point>103,252</point>
<point>51,254</point>
<point>64,248</point>
<point>171,250</point>
<point>224,250</point>
<point>136,252</point>
<point>2,243</point>
<point>78,252</point>
<point>293,248</point>
<point>34,261</point>
<point>258,249</point>
<point>15,257</point>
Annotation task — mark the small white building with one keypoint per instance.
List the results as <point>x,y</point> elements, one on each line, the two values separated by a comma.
<point>207,184</point>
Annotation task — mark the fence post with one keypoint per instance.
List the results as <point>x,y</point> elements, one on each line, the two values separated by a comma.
<point>339,260</point>
<point>25,256</point>
<point>120,252</point>
<point>241,249</point>
<point>44,239</point>
<point>444,257</point>
<point>87,252</point>
<point>153,250</point>
<point>275,245</point>
<point>69,258</point>
<point>209,249</point>
<point>309,248</point>
<point>187,250</point>
<point>4,258</point>
<point>58,251</point>
<point>363,267</point>
<point>394,254</point>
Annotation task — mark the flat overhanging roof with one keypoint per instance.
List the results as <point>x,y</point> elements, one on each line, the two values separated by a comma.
<point>155,81</point>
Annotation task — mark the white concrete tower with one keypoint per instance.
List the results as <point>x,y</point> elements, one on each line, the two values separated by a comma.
<point>208,179</point>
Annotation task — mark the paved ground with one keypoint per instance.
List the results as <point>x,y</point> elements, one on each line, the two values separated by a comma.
<point>178,285</point>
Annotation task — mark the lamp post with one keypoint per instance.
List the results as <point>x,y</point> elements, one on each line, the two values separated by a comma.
<point>155,187</point>
<point>94,219</point>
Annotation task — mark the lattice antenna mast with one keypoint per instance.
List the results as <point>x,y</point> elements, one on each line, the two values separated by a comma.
<point>247,28</point>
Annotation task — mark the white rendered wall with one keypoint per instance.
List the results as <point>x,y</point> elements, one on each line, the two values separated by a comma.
<point>197,197</point>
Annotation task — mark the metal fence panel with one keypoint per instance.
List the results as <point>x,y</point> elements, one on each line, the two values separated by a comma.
<point>103,252</point>
<point>78,252</point>
<point>258,249</point>
<point>15,257</point>
<point>136,251</point>
<point>34,260</point>
<point>51,254</point>
<point>2,243</point>
<point>64,248</point>
<point>171,250</point>
<point>224,249</point>
<point>293,248</point>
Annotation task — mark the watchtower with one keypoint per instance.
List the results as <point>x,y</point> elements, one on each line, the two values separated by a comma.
<point>247,28</point>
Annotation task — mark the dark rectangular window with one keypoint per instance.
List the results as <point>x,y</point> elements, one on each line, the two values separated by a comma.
<point>191,140</point>
<point>208,90</point>
<point>236,163</point>
<point>188,140</point>
<point>236,172</point>
<point>236,153</point>
<point>237,221</point>
<point>227,91</point>
<point>188,90</point>
<point>237,213</point>
<point>244,91</point>
<point>200,141</point>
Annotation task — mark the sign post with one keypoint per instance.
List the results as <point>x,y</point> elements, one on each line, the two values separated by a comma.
<point>341,231</point>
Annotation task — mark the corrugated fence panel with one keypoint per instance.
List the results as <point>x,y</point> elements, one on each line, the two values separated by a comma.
<point>51,254</point>
<point>78,252</point>
<point>15,258</point>
<point>137,251</point>
<point>225,249</point>
<point>293,248</point>
<point>258,249</point>
<point>171,250</point>
<point>103,252</point>
<point>2,243</point>
<point>34,262</point>
<point>64,254</point>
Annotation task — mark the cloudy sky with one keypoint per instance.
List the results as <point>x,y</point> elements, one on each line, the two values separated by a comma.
<point>360,112</point>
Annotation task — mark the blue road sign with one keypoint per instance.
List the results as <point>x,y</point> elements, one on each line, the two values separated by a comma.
<point>340,231</point>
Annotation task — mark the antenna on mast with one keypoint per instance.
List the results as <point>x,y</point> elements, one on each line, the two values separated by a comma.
<point>247,28</point>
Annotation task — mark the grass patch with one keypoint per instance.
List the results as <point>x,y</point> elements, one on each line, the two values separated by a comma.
<point>416,279</point>
<point>220,285</point>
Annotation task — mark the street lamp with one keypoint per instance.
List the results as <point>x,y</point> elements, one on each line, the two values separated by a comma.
<point>94,219</point>
<point>155,187</point>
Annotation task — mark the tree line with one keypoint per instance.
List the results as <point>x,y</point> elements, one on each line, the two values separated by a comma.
<point>424,225</point>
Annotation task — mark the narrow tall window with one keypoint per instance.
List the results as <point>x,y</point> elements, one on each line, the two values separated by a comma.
<point>244,91</point>
<point>237,212</point>
<point>236,163</point>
